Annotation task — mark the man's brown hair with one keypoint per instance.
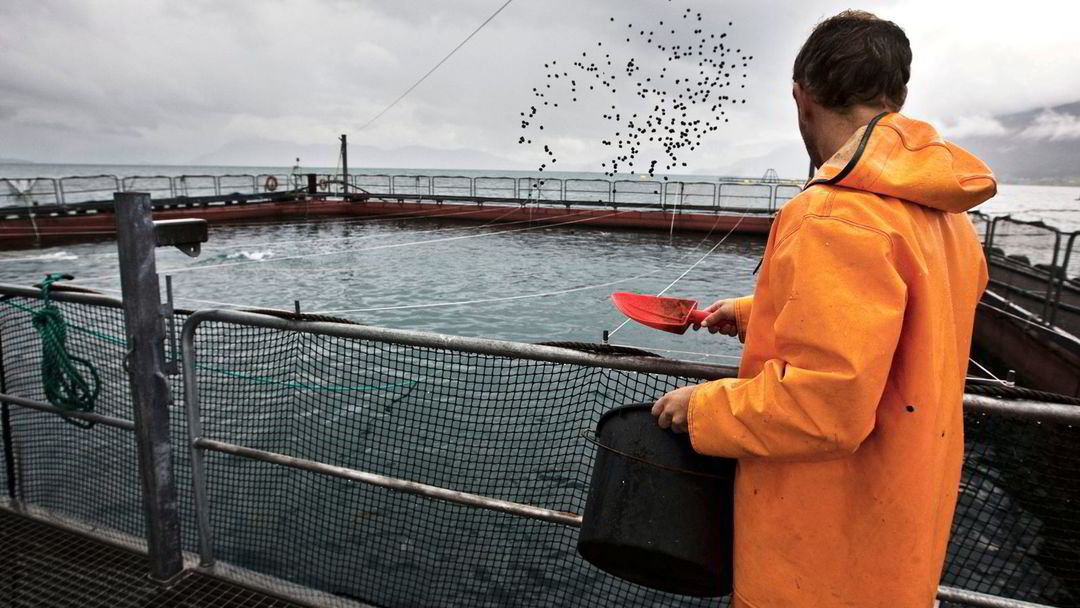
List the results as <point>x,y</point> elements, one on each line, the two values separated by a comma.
<point>855,58</point>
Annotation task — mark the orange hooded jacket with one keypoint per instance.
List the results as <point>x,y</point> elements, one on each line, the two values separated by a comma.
<point>847,416</point>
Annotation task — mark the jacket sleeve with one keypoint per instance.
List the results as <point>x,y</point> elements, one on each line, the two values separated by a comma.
<point>840,306</point>
<point>742,315</point>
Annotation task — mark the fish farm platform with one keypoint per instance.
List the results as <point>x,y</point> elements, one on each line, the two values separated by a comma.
<point>91,222</point>
<point>38,211</point>
<point>46,565</point>
<point>293,460</point>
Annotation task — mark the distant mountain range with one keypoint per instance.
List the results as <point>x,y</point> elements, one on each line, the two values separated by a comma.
<point>1037,146</point>
<point>1040,146</point>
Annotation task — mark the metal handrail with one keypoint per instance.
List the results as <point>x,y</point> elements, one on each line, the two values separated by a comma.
<point>182,179</point>
<point>127,183</point>
<point>657,191</point>
<point>1048,309</point>
<point>682,194</point>
<point>254,185</point>
<point>481,183</point>
<point>673,367</point>
<point>1023,409</point>
<point>1044,412</point>
<point>1063,276</point>
<point>63,192</point>
<point>29,193</point>
<point>606,192</point>
<point>469,188</point>
<point>41,406</point>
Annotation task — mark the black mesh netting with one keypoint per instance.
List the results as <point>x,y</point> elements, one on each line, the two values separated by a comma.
<point>86,474</point>
<point>496,426</point>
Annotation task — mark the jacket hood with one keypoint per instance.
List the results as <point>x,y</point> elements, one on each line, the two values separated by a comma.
<point>907,159</point>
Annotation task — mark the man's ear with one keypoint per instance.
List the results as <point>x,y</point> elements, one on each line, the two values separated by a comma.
<point>802,102</point>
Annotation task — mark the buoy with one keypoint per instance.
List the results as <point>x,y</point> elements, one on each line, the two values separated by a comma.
<point>271,184</point>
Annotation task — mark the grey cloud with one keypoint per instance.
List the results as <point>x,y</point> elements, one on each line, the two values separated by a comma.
<point>1053,126</point>
<point>166,81</point>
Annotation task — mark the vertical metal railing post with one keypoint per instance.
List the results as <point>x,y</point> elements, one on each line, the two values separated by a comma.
<point>56,192</point>
<point>1062,276</point>
<point>990,231</point>
<point>1053,270</point>
<point>8,437</point>
<point>198,464</point>
<point>145,330</point>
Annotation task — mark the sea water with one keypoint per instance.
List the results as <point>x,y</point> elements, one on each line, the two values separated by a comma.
<point>514,282</point>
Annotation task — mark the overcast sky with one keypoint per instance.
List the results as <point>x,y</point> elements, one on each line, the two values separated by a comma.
<point>169,81</point>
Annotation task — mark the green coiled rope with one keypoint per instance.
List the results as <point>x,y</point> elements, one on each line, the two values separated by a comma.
<point>65,385</point>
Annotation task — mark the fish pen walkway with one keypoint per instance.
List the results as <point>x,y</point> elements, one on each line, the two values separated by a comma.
<point>45,565</point>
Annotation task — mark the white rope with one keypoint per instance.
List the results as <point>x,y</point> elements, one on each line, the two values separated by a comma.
<point>365,221</point>
<point>362,220</point>
<point>428,305</point>
<point>375,248</point>
<point>544,294</point>
<point>59,256</point>
<point>214,302</point>
<point>242,245</point>
<point>447,304</point>
<point>468,302</point>
<point>692,266</point>
<point>437,66</point>
<point>988,372</point>
<point>61,233</point>
<point>1053,330</point>
<point>702,259</point>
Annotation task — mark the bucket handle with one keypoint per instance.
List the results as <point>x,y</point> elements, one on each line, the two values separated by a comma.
<point>590,436</point>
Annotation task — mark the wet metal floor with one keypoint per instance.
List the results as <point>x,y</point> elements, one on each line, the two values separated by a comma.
<point>42,565</point>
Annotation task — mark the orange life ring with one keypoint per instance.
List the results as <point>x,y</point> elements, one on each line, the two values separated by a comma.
<point>271,184</point>
<point>322,184</point>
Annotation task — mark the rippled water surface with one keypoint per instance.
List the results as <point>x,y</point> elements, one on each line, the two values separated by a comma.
<point>522,281</point>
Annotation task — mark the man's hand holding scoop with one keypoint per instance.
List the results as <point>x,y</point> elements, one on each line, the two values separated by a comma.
<point>721,318</point>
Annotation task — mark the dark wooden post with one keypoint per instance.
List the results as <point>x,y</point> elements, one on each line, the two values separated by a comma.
<point>145,329</point>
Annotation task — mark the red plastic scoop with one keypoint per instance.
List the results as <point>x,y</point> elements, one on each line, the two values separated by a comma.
<point>668,314</point>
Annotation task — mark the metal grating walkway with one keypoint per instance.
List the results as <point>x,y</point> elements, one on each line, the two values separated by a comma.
<point>42,565</point>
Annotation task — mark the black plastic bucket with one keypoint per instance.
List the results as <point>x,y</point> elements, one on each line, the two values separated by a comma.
<point>658,513</point>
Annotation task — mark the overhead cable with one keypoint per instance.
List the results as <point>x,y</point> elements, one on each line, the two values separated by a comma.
<point>437,66</point>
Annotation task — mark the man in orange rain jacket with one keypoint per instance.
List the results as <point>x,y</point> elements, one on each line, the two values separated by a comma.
<point>846,417</point>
